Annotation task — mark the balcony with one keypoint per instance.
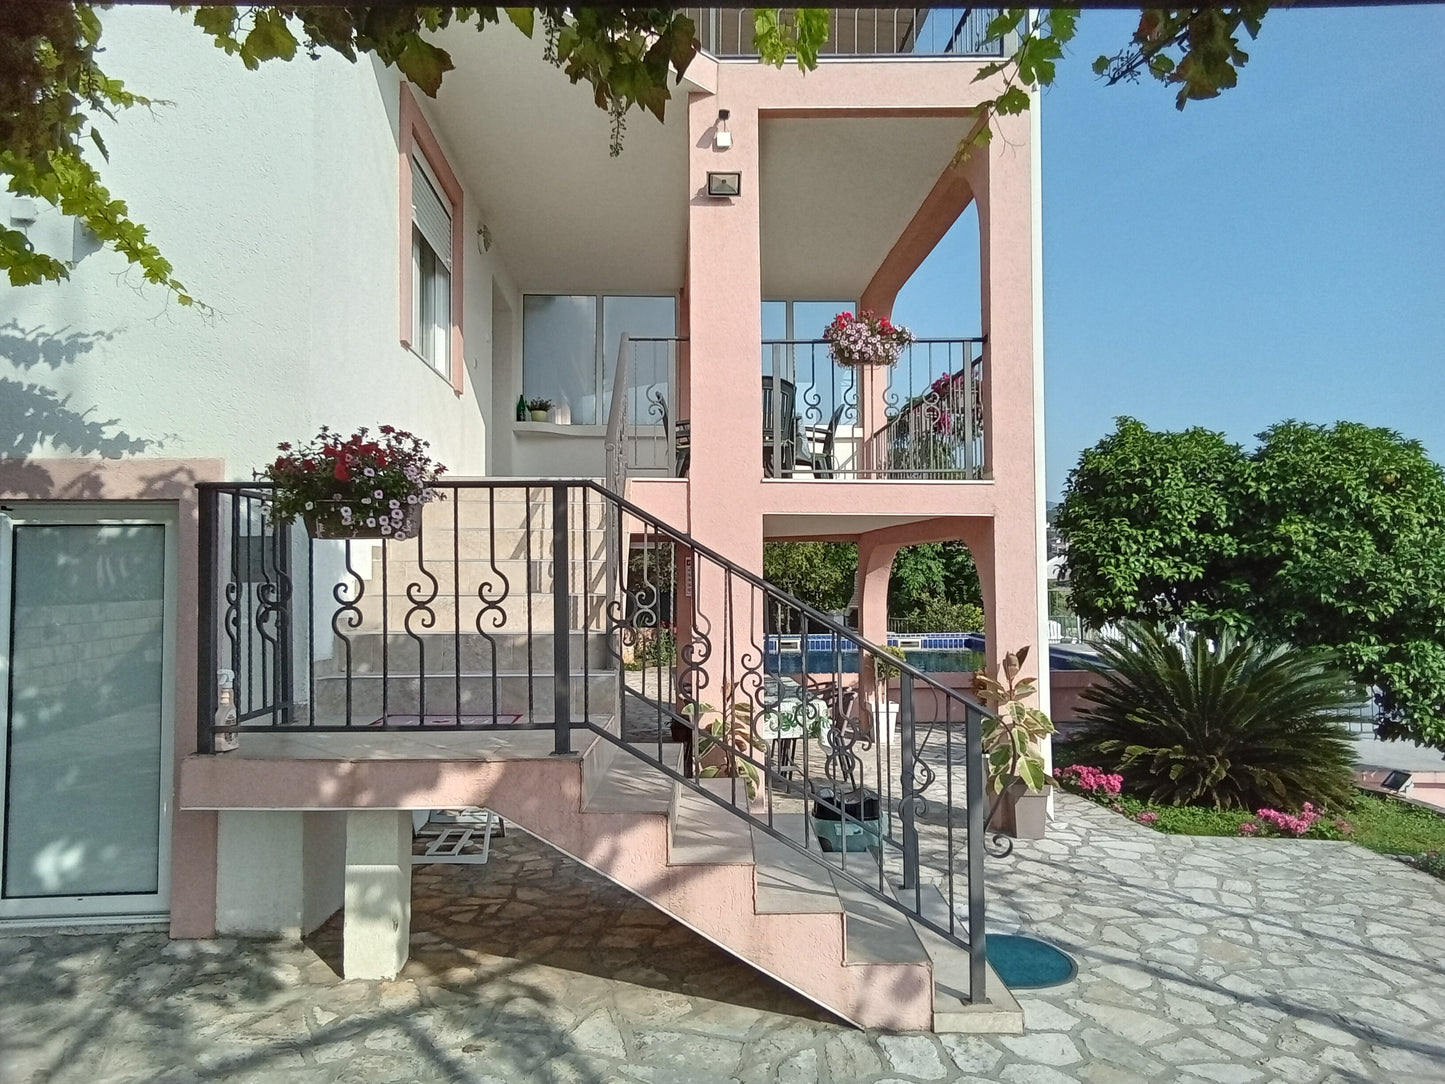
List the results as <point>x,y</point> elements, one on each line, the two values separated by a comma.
<point>921,419</point>
<point>727,33</point>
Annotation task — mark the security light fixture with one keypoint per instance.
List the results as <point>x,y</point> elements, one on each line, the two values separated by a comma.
<point>1396,781</point>
<point>722,139</point>
<point>724,185</point>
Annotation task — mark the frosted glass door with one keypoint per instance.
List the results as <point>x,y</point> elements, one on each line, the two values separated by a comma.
<point>83,734</point>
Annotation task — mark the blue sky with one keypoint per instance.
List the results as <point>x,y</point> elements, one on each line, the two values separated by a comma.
<point>1277,252</point>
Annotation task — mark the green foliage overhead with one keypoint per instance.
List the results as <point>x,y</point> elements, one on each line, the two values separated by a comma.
<point>53,90</point>
<point>1323,535</point>
<point>1231,724</point>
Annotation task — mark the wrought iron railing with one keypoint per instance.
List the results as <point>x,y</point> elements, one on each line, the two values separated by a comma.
<point>643,434</point>
<point>863,32</point>
<point>921,418</point>
<point>525,603</point>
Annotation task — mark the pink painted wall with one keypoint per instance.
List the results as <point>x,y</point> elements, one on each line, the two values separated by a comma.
<point>728,498</point>
<point>171,481</point>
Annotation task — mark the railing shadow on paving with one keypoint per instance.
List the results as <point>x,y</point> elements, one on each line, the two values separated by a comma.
<point>513,605</point>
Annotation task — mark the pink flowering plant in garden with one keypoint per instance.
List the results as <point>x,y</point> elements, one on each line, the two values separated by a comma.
<point>354,486</point>
<point>1090,780</point>
<point>865,339</point>
<point>1309,821</point>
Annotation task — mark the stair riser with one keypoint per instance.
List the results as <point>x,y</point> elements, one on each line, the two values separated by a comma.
<point>404,654</point>
<point>468,577</point>
<point>472,511</point>
<point>445,615</point>
<point>403,695</point>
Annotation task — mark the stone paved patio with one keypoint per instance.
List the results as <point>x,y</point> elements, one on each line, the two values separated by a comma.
<point>1202,961</point>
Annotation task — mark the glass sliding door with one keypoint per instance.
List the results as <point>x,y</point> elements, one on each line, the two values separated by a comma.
<point>86,715</point>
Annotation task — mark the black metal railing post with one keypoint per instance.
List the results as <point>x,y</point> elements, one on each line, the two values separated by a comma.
<point>561,624</point>
<point>207,545</point>
<point>977,939</point>
<point>907,804</point>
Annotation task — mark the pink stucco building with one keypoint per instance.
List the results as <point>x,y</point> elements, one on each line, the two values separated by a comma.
<point>375,256</point>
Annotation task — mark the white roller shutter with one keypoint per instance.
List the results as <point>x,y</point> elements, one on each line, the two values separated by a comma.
<point>431,212</point>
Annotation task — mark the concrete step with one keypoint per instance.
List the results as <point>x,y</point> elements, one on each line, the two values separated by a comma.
<point>704,833</point>
<point>504,651</point>
<point>616,781</point>
<point>481,694</point>
<point>471,508</point>
<point>1000,1014</point>
<point>468,575</point>
<point>511,614</point>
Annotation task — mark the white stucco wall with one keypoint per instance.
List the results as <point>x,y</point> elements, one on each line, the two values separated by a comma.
<point>274,194</point>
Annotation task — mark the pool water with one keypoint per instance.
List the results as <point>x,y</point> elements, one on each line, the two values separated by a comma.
<point>929,660</point>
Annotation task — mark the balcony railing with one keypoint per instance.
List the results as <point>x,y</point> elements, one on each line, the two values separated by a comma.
<point>515,604</point>
<point>863,32</point>
<point>644,434</point>
<point>919,419</point>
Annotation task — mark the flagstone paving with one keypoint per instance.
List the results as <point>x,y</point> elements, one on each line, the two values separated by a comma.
<point>1201,961</point>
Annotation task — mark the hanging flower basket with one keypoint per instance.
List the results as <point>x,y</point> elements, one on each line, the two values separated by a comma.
<point>865,339</point>
<point>356,486</point>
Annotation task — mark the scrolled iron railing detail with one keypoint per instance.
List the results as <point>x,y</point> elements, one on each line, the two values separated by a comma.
<point>826,769</point>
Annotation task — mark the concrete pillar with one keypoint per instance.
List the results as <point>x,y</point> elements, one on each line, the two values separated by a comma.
<point>377,926</point>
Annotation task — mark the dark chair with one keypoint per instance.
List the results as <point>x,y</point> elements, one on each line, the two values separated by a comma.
<point>682,447</point>
<point>780,427</point>
<point>818,453</point>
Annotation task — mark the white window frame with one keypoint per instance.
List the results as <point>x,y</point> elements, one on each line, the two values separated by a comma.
<point>431,280</point>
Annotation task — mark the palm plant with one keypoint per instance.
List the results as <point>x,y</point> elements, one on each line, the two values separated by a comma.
<point>1230,723</point>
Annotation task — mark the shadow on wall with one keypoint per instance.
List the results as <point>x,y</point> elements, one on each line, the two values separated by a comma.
<point>33,415</point>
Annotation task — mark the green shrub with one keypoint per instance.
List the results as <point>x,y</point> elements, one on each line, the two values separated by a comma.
<point>934,614</point>
<point>1229,725</point>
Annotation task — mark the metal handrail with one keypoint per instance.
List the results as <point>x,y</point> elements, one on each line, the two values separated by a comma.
<point>265,641</point>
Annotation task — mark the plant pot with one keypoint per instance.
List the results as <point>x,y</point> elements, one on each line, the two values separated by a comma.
<point>539,415</point>
<point>326,524</point>
<point>1025,812</point>
<point>863,830</point>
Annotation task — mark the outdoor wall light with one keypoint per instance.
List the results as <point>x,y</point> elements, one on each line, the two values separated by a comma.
<point>1397,781</point>
<point>724,185</point>
<point>722,139</point>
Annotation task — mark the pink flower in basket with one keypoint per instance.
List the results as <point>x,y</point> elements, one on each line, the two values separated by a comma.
<point>865,339</point>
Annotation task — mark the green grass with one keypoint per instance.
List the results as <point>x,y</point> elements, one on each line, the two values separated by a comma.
<point>1377,824</point>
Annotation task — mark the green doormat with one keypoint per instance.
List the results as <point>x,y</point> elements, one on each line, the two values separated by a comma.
<point>1026,963</point>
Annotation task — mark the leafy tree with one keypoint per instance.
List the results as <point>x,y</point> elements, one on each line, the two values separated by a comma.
<point>1349,551</point>
<point>934,587</point>
<point>822,574</point>
<point>52,88</point>
<point>1331,536</point>
<point>1149,519</point>
<point>1229,722</point>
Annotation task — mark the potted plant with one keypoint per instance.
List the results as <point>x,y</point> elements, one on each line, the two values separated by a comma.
<point>726,750</point>
<point>354,487</point>
<point>539,408</point>
<point>865,339</point>
<point>1017,779</point>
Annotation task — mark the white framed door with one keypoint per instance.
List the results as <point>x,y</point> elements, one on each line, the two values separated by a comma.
<point>87,660</point>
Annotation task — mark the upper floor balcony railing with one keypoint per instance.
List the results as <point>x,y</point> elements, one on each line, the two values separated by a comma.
<point>920,419</point>
<point>864,32</point>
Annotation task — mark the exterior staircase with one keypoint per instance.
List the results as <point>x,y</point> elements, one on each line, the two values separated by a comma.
<point>432,683</point>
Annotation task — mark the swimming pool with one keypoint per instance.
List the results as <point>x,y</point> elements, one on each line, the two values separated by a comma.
<point>931,652</point>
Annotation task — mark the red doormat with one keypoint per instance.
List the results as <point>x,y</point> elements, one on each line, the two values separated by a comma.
<point>500,719</point>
